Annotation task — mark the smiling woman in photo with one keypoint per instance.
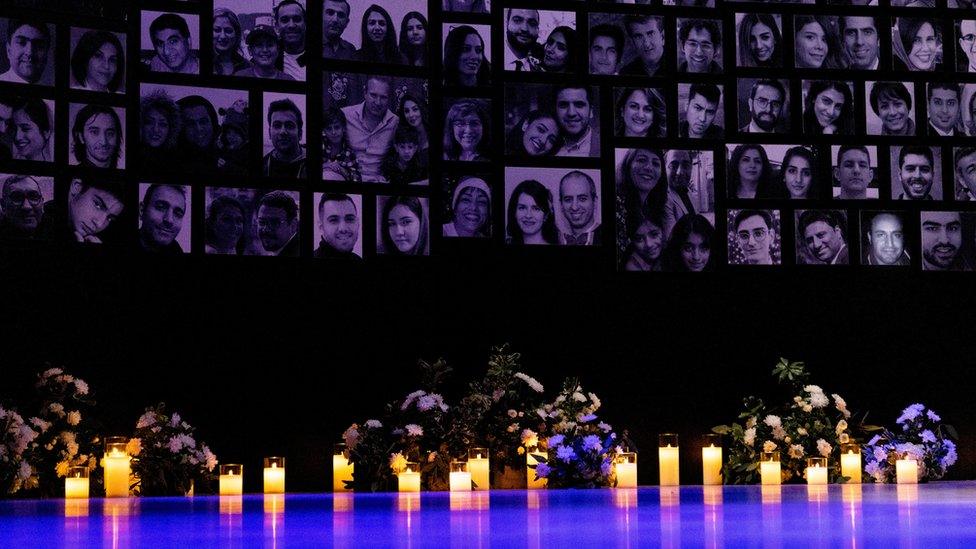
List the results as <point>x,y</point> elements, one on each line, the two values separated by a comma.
<point>531,218</point>
<point>917,44</point>
<point>471,208</point>
<point>828,109</point>
<point>465,63</point>
<point>467,133</point>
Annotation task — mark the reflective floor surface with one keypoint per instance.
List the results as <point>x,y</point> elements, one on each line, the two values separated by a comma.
<point>938,515</point>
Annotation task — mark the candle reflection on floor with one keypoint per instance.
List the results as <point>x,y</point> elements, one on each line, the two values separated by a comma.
<point>670,516</point>
<point>712,514</point>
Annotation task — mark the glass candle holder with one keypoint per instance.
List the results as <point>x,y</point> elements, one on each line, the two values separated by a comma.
<point>408,480</point>
<point>625,465</point>
<point>479,467</point>
<point>460,477</point>
<point>850,462</point>
<point>816,471</point>
<point>342,468</point>
<point>274,475</point>
<point>76,484</point>
<point>231,479</point>
<point>667,453</point>
<point>531,460</point>
<point>712,459</point>
<point>906,469</point>
<point>769,468</point>
<point>116,465</point>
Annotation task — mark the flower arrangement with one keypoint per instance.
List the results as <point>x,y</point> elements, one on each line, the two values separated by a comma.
<point>922,437</point>
<point>369,445</point>
<point>812,425</point>
<point>166,458</point>
<point>580,449</point>
<point>15,436</point>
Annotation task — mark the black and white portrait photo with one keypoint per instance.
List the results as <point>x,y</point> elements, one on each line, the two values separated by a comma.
<point>260,39</point>
<point>28,129</point>
<point>467,55</point>
<point>821,237</point>
<point>28,51</point>
<point>94,212</point>
<point>861,38</point>
<point>466,6</point>
<point>828,107</point>
<point>402,225</point>
<point>774,171</point>
<point>816,44</point>
<point>23,202</point>
<point>284,136</point>
<point>889,109</point>
<point>97,136</point>
<point>764,105</point>
<point>553,206</point>
<point>252,222</point>
<point>759,40</point>
<point>916,43</point>
<point>640,112</point>
<point>539,40</point>
<point>964,173</point>
<point>855,171</point>
<point>97,60</point>
<point>700,46</point>
<point>338,225</point>
<point>916,172</point>
<point>164,218</point>
<point>701,111</point>
<point>885,239</point>
<point>391,33</point>
<point>467,130</point>
<point>468,201</point>
<point>193,130</point>
<point>573,108</point>
<point>965,30</point>
<point>943,104</point>
<point>627,44</point>
<point>364,115</point>
<point>754,237</point>
<point>170,42</point>
<point>946,241</point>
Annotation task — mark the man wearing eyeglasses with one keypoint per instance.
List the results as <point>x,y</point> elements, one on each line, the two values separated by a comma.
<point>278,224</point>
<point>966,31</point>
<point>700,39</point>
<point>21,207</point>
<point>766,101</point>
<point>754,234</point>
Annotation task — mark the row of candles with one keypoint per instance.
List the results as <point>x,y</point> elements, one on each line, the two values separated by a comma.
<point>473,474</point>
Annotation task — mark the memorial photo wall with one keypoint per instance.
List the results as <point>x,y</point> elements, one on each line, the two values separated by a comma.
<point>674,135</point>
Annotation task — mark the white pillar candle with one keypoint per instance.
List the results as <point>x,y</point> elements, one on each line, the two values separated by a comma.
<point>231,480</point>
<point>770,472</point>
<point>76,488</point>
<point>478,466</point>
<point>116,465</point>
<point>530,463</point>
<point>460,481</point>
<point>711,465</point>
<point>274,479</point>
<point>408,481</point>
<point>907,471</point>
<point>850,466</point>
<point>816,475</point>
<point>625,468</point>
<point>342,471</point>
<point>668,456</point>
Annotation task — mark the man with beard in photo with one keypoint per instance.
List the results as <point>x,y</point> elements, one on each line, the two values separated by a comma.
<point>915,171</point>
<point>942,241</point>
<point>28,46</point>
<point>853,172</point>
<point>339,223</point>
<point>647,33</point>
<point>21,207</point>
<point>574,114</point>
<point>699,119</point>
<point>161,215</point>
<point>886,241</point>
<point>766,101</point>
<point>287,158</point>
<point>521,40</point>
<point>278,224</point>
<point>335,19</point>
<point>289,22</point>
<point>578,200</point>
<point>822,232</point>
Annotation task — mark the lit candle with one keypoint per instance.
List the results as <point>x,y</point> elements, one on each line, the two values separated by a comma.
<point>816,471</point>
<point>668,457</point>
<point>116,465</point>
<point>231,479</point>
<point>530,463</point>
<point>850,462</point>
<point>625,465</point>
<point>460,478</point>
<point>76,483</point>
<point>769,469</point>
<point>712,460</point>
<point>274,475</point>
<point>408,480</point>
<point>906,470</point>
<point>478,467</point>
<point>342,468</point>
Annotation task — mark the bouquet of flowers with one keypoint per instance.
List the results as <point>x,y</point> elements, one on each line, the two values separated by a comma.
<point>166,458</point>
<point>922,438</point>
<point>65,436</point>
<point>15,437</point>
<point>812,425</point>
<point>369,446</point>
<point>580,449</point>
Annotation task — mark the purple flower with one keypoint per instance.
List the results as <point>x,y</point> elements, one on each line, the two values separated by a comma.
<point>565,453</point>
<point>928,436</point>
<point>933,416</point>
<point>542,470</point>
<point>910,413</point>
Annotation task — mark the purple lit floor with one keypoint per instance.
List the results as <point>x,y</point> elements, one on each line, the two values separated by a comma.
<point>929,515</point>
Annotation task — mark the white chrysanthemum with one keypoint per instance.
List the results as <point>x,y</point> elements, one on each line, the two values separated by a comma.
<point>146,420</point>
<point>819,400</point>
<point>414,430</point>
<point>813,389</point>
<point>50,372</point>
<point>596,401</point>
<point>587,418</point>
<point>351,436</point>
<point>773,421</point>
<point>769,446</point>
<point>749,436</point>
<point>824,447</point>
<point>133,447</point>
<point>796,451</point>
<point>779,433</point>
<point>530,438</point>
<point>373,423</point>
<point>74,418</point>
<point>40,424</point>
<point>605,427</point>
<point>530,381</point>
<point>81,388</point>
<point>579,397</point>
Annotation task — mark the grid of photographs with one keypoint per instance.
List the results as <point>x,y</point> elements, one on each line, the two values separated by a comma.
<point>661,135</point>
